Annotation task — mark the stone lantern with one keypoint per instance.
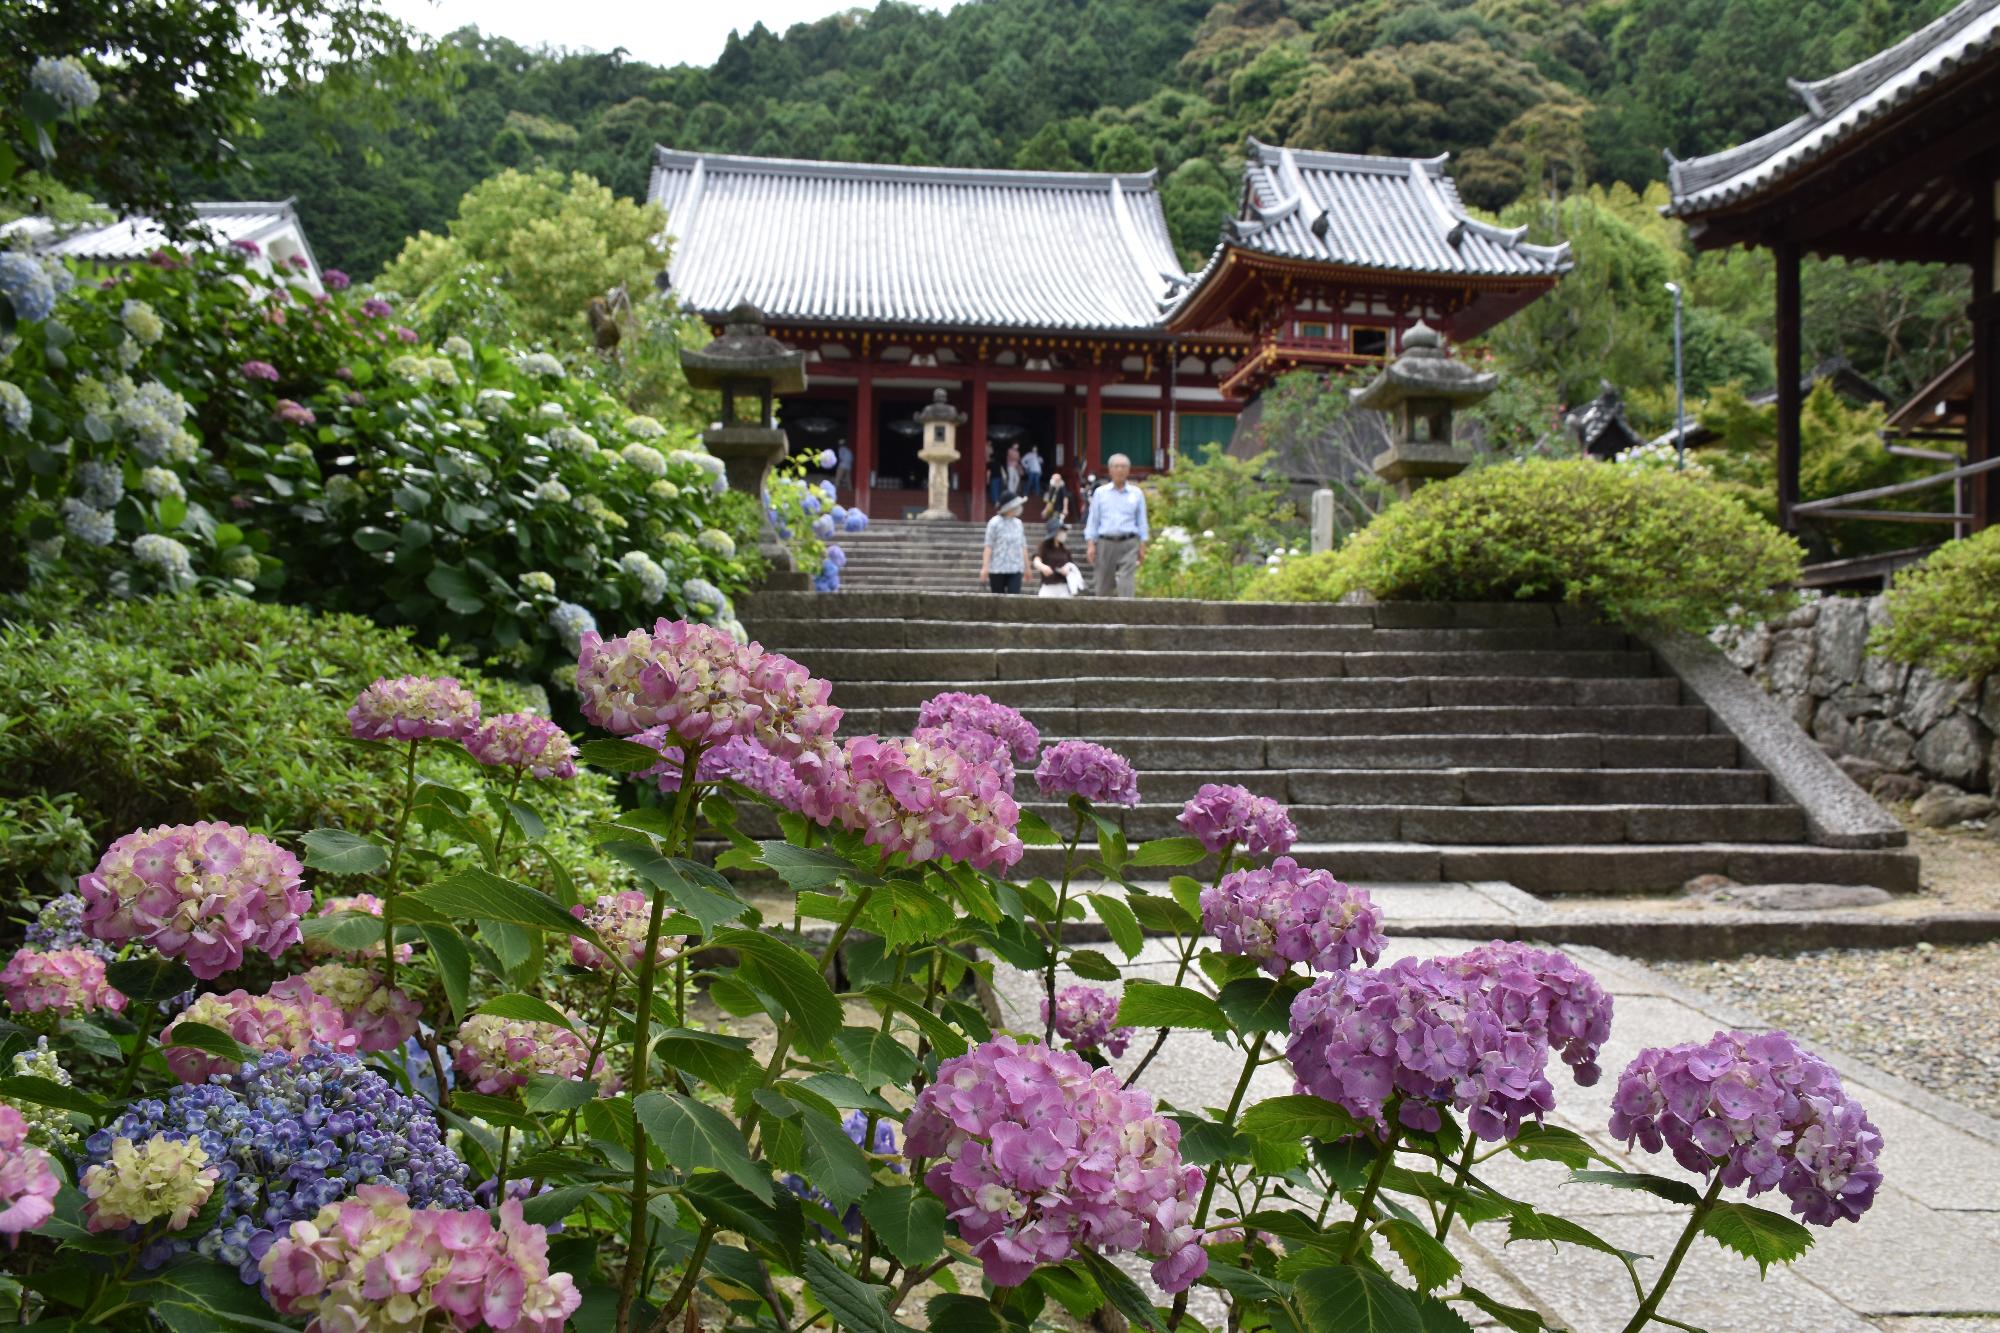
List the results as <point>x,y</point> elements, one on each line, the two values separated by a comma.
<point>1419,391</point>
<point>939,422</point>
<point>749,368</point>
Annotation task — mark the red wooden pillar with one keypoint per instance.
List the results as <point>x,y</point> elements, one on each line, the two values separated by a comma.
<point>1786,253</point>
<point>864,440</point>
<point>1093,428</point>
<point>975,445</point>
<point>1982,425</point>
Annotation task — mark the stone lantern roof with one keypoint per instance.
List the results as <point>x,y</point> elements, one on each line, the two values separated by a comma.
<point>745,353</point>
<point>1425,370</point>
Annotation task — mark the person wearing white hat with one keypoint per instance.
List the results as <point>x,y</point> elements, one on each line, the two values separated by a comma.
<point>1004,558</point>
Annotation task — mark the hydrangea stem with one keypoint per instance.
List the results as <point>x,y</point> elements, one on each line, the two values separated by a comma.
<point>1215,1171</point>
<point>138,1051</point>
<point>1056,931</point>
<point>1644,1314</point>
<point>1366,1208</point>
<point>1180,972</point>
<point>642,1031</point>
<point>396,868</point>
<point>507,819</point>
<point>1458,1179</point>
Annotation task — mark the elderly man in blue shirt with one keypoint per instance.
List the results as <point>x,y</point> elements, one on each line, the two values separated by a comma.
<point>1115,535</point>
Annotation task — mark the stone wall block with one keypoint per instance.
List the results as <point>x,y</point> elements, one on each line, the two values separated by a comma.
<point>1989,703</point>
<point>1927,699</point>
<point>1886,743</point>
<point>1840,643</point>
<point>1803,615</point>
<point>1791,665</point>
<point>1884,676</point>
<point>1832,727</point>
<point>1955,750</point>
<point>1746,649</point>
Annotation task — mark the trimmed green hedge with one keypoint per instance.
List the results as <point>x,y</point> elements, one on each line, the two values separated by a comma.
<point>127,714</point>
<point>1944,614</point>
<point>1645,547</point>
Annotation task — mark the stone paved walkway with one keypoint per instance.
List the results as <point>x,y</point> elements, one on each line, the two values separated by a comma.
<point>1926,1259</point>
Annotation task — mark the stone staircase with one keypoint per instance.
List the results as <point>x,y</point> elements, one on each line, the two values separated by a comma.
<point>903,555</point>
<point>1414,743</point>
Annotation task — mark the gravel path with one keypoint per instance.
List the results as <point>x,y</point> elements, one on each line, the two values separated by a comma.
<point>1930,1015</point>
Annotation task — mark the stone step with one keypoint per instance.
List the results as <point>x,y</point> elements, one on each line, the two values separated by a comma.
<point>1222,755</point>
<point>969,665</point>
<point>1163,611</point>
<point>1607,870</point>
<point>1037,696</point>
<point>1470,786</point>
<point>859,632</point>
<point>1500,825</point>
<point>1627,720</point>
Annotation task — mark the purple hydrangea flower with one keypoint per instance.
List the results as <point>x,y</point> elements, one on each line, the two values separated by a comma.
<point>1084,1019</point>
<point>1237,817</point>
<point>259,370</point>
<point>1082,768</point>
<point>1762,1110</point>
<point>977,712</point>
<point>411,708</point>
<point>856,1125</point>
<point>1543,991</point>
<point>525,741</point>
<point>335,280</point>
<point>1288,914</point>
<point>377,308</point>
<point>289,1135</point>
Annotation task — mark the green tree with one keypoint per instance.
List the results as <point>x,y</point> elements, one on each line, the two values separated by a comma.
<point>1197,198</point>
<point>1119,148</point>
<point>551,244</point>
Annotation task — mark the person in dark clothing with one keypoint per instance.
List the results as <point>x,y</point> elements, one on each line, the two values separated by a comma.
<point>1057,566</point>
<point>1056,504</point>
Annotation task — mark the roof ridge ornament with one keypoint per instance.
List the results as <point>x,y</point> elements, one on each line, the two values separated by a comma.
<point>1809,95</point>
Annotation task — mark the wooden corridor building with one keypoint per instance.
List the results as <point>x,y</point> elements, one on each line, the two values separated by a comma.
<point>1051,308</point>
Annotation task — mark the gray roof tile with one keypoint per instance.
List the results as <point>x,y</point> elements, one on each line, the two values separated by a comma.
<point>836,242</point>
<point>1838,107</point>
<point>136,237</point>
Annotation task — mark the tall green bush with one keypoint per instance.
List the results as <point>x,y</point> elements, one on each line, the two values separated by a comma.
<point>177,709</point>
<point>1644,546</point>
<point>1944,614</point>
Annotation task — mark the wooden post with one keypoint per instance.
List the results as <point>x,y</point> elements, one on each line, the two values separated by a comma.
<point>1786,253</point>
<point>864,440</point>
<point>975,446</point>
<point>1982,426</point>
<point>1093,428</point>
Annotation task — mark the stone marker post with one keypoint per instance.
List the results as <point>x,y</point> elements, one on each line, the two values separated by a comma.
<point>1322,520</point>
<point>1419,391</point>
<point>749,368</point>
<point>940,422</point>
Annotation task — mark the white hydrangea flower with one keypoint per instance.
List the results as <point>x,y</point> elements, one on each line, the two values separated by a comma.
<point>552,492</point>
<point>92,527</point>
<point>341,490</point>
<point>646,571</point>
<point>570,437</point>
<point>645,458</point>
<point>664,489</point>
<point>645,428</point>
<point>64,81</point>
<point>100,485</point>
<point>240,563</point>
<point>129,353</point>
<point>166,555</point>
<point>152,413</point>
<point>704,597</point>
<point>571,622</point>
<point>537,581</point>
<point>538,363</point>
<point>161,484</point>
<point>458,347</point>
<point>142,322</point>
<point>717,543</point>
<point>15,409</point>
<point>495,403</point>
<point>553,410</point>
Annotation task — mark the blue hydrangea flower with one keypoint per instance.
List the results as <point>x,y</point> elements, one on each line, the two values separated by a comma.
<point>288,1136</point>
<point>856,520</point>
<point>823,527</point>
<point>856,1126</point>
<point>25,282</point>
<point>65,81</point>
<point>59,925</point>
<point>571,622</point>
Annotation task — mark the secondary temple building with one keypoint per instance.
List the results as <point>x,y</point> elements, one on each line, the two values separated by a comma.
<point>1051,308</point>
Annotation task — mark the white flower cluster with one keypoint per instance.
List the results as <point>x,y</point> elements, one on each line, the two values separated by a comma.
<point>571,622</point>
<point>646,572</point>
<point>64,81</point>
<point>161,484</point>
<point>92,527</point>
<point>645,458</point>
<point>15,409</point>
<point>166,555</point>
<point>573,438</point>
<point>538,363</point>
<point>142,322</point>
<point>458,347</point>
<point>552,492</point>
<point>495,403</point>
<point>1659,456</point>
<point>717,543</point>
<point>99,485</point>
<point>153,415</point>
<point>536,581</point>
<point>644,428</point>
<point>718,478</point>
<point>417,369</point>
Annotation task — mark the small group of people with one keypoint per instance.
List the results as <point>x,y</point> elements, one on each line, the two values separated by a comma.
<point>1016,474</point>
<point>1115,536</point>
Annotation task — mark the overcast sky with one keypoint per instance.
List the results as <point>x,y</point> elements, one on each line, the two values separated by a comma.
<point>665,32</point>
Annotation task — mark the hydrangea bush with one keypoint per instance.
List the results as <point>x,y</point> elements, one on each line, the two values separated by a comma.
<point>348,1088</point>
<point>188,422</point>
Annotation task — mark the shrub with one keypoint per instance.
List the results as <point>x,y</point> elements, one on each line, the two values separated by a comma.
<point>1215,519</point>
<point>186,423</point>
<point>1944,614</point>
<point>183,708</point>
<point>1643,546</point>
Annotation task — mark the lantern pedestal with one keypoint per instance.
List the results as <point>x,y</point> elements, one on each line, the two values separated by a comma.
<point>748,453</point>
<point>939,421</point>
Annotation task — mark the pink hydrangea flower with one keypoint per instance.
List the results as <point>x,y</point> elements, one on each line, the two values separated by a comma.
<point>526,741</point>
<point>1763,1111</point>
<point>973,746</point>
<point>248,247</point>
<point>290,1017</point>
<point>924,801</point>
<point>381,1016</point>
<point>335,280</point>
<point>704,688</point>
<point>1081,768</point>
<point>294,414</point>
<point>297,261</point>
<point>405,334</point>
<point>738,759</point>
<point>28,1179</point>
<point>1038,1156</point>
<point>1287,914</point>
<point>493,1054</point>
<point>1084,1019</point>
<point>377,308</point>
<point>373,1262</point>
<point>67,982</point>
<point>978,712</point>
<point>366,903</point>
<point>203,893</point>
<point>259,370</point>
<point>411,708</point>
<point>1235,816</point>
<point>621,920</point>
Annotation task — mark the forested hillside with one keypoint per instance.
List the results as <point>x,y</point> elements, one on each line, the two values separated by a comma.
<point>1521,92</point>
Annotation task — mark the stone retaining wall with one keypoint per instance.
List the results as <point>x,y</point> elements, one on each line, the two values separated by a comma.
<point>1896,729</point>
